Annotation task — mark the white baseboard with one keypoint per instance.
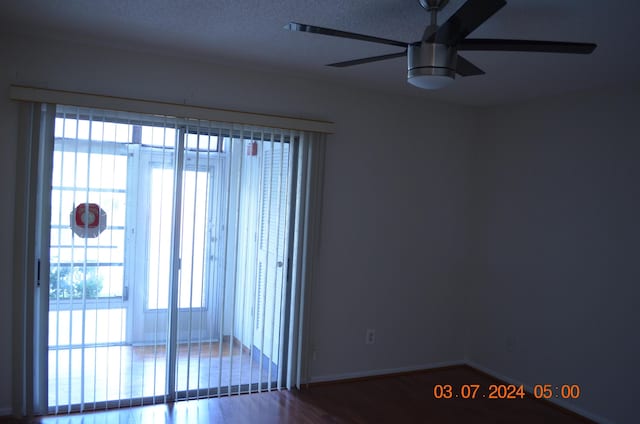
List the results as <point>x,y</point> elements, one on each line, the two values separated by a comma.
<point>379,372</point>
<point>6,411</point>
<point>529,388</point>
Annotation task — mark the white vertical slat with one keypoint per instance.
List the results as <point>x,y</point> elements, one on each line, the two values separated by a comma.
<point>190,233</point>
<point>157,252</point>
<point>161,215</point>
<point>213,273</point>
<point>125,251</point>
<point>260,266</point>
<point>83,328</point>
<point>95,329</point>
<point>276,165</point>
<point>263,273</point>
<point>184,259</point>
<point>241,255</point>
<point>227,249</point>
<point>214,235</point>
<point>44,149</point>
<point>175,268</point>
<point>284,255</point>
<point>236,223</point>
<point>202,255</point>
<point>283,251</point>
<point>110,213</point>
<point>251,281</point>
<point>287,295</point>
<point>306,199</point>
<point>57,308</point>
<point>119,366</point>
<point>73,243</point>
<point>209,255</point>
<point>223,280</point>
<point>253,235</point>
<point>256,267</point>
<point>248,241</point>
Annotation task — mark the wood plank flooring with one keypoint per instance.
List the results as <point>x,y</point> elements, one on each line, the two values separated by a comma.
<point>396,399</point>
<point>125,372</point>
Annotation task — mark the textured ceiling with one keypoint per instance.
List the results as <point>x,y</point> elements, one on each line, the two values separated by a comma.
<point>250,33</point>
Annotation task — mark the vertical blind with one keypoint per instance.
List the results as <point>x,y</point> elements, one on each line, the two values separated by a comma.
<point>176,258</point>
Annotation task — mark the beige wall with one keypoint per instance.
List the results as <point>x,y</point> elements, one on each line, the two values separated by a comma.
<point>556,207</point>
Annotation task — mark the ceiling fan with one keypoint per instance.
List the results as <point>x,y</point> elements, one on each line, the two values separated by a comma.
<point>433,61</point>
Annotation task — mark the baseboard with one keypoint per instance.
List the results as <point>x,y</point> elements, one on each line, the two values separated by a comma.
<point>529,389</point>
<point>266,361</point>
<point>237,342</point>
<point>359,375</point>
<point>180,342</point>
<point>6,412</point>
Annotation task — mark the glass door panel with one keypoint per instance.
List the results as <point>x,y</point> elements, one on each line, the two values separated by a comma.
<point>194,247</point>
<point>160,218</point>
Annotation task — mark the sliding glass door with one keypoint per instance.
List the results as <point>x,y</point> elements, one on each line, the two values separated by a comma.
<point>169,245</point>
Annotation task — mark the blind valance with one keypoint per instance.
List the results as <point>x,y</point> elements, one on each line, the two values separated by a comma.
<point>62,97</point>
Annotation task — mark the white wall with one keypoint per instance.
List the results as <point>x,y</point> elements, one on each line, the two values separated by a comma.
<point>394,222</point>
<point>393,240</point>
<point>8,135</point>
<point>555,257</point>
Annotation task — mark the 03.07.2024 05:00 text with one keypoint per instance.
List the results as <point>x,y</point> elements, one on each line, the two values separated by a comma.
<point>505,391</point>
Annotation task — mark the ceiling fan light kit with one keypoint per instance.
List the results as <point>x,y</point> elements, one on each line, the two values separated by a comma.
<point>433,62</point>
<point>431,66</point>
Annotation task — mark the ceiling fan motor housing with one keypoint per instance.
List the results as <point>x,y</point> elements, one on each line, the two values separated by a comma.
<point>431,59</point>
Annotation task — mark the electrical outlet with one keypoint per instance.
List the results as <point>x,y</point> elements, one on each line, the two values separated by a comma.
<point>370,337</point>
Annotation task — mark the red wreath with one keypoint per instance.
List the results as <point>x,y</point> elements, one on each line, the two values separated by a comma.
<point>88,220</point>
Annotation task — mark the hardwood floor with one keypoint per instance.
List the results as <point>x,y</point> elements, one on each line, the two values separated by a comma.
<point>126,372</point>
<point>395,399</point>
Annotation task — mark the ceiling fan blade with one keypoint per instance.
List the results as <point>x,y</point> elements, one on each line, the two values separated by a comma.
<point>294,26</point>
<point>464,68</point>
<point>527,46</point>
<point>367,60</point>
<point>466,19</point>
